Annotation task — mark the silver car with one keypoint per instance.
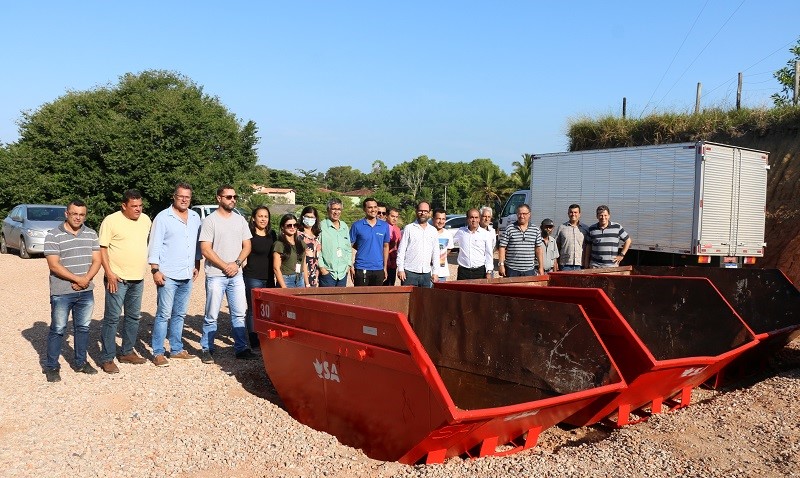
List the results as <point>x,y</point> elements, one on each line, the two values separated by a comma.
<point>26,226</point>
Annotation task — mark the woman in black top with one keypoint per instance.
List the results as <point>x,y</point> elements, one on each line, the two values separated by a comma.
<point>258,270</point>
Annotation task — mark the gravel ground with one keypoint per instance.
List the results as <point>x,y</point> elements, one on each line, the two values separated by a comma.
<point>191,419</point>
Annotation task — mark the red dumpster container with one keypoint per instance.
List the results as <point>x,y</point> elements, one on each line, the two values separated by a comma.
<point>765,299</point>
<point>667,336</point>
<point>419,375</point>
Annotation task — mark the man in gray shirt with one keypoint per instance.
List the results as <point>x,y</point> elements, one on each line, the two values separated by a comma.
<point>225,244</point>
<point>73,257</point>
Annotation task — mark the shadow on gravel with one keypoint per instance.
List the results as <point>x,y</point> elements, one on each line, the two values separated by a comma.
<point>586,436</point>
<point>249,373</point>
<point>37,336</point>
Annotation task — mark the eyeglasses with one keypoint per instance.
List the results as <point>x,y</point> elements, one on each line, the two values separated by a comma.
<point>230,196</point>
<point>548,227</point>
<point>381,213</point>
<point>290,226</point>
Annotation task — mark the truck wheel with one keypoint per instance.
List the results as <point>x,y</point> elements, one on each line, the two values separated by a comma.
<point>3,245</point>
<point>23,250</point>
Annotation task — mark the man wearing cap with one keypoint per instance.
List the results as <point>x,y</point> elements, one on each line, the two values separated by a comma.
<point>550,252</point>
<point>520,247</point>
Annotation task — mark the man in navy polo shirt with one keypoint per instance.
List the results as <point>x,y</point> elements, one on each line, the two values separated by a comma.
<point>370,239</point>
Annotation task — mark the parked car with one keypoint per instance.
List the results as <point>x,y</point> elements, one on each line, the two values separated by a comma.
<point>205,209</point>
<point>452,224</point>
<point>26,226</point>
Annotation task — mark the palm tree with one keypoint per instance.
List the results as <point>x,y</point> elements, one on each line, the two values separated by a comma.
<point>490,185</point>
<point>522,172</point>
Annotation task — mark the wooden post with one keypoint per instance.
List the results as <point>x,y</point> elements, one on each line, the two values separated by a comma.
<point>739,93</point>
<point>697,98</point>
<point>624,106</point>
<point>796,80</point>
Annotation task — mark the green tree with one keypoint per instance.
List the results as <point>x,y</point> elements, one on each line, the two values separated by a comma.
<point>785,77</point>
<point>147,132</point>
<point>490,183</point>
<point>521,177</point>
<point>345,178</point>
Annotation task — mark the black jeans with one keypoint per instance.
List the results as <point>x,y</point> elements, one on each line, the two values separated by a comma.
<point>476,273</point>
<point>365,277</point>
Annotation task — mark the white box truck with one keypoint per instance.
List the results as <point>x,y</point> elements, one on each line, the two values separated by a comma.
<point>682,204</point>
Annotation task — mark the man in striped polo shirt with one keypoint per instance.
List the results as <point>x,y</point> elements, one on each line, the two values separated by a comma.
<point>72,252</point>
<point>603,241</point>
<point>520,247</point>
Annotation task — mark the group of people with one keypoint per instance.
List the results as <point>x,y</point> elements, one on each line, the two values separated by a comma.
<point>525,250</point>
<point>242,255</point>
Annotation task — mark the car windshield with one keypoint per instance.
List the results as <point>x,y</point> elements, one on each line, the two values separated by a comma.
<point>46,213</point>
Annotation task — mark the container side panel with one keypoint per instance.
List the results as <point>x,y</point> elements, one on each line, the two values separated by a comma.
<point>752,203</point>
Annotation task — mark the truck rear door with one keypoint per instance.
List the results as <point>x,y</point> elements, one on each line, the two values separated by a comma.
<point>733,201</point>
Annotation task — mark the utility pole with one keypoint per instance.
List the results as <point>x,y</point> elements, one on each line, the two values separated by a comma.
<point>697,98</point>
<point>624,106</point>
<point>796,80</point>
<point>739,93</point>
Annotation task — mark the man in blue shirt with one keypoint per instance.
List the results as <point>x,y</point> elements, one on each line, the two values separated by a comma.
<point>174,258</point>
<point>370,240</point>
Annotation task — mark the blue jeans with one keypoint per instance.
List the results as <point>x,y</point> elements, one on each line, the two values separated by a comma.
<point>128,297</point>
<point>251,283</point>
<point>173,300</point>
<point>418,279</point>
<point>81,304</point>
<point>294,281</point>
<point>327,280</point>
<point>514,273</point>
<point>232,288</point>
<point>569,268</point>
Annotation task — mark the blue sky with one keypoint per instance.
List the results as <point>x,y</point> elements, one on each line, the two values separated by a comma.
<point>351,82</point>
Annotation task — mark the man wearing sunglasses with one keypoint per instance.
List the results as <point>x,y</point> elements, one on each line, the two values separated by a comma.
<point>225,244</point>
<point>550,250</point>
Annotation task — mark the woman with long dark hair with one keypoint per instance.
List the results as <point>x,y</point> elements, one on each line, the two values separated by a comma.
<point>309,234</point>
<point>258,271</point>
<point>288,255</point>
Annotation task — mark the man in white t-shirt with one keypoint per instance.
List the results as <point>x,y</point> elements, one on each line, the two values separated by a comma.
<point>442,269</point>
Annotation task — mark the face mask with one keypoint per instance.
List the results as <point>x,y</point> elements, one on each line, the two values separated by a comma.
<point>309,221</point>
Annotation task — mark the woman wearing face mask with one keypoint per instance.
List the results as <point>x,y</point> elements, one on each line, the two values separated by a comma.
<point>288,255</point>
<point>258,271</point>
<point>309,233</point>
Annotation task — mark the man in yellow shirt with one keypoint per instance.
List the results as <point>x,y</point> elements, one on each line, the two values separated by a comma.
<point>123,253</point>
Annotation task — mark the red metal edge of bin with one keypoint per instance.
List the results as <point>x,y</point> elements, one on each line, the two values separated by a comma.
<point>310,369</point>
<point>651,382</point>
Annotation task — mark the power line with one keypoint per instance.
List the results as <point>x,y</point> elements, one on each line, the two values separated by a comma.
<point>673,59</point>
<point>701,51</point>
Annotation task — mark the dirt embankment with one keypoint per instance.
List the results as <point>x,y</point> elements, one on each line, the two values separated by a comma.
<point>783,194</point>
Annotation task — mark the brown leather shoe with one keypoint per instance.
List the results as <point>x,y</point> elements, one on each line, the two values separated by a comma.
<point>131,358</point>
<point>160,361</point>
<point>183,354</point>
<point>109,367</point>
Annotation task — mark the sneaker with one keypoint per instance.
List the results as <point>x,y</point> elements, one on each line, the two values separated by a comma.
<point>160,361</point>
<point>131,358</point>
<point>53,375</point>
<point>246,354</point>
<point>87,369</point>
<point>183,354</point>
<point>109,367</point>
<point>206,357</point>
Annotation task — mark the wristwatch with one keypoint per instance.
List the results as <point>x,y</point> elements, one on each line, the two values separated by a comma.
<point>154,270</point>
<point>238,262</point>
